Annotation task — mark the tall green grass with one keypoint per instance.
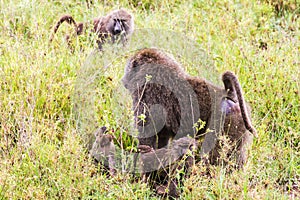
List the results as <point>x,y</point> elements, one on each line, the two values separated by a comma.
<point>43,141</point>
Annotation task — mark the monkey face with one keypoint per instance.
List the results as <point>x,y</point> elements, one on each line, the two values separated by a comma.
<point>103,144</point>
<point>121,23</point>
<point>102,138</point>
<point>118,27</point>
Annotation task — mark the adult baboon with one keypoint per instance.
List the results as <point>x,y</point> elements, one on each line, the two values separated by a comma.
<point>168,103</point>
<point>118,25</point>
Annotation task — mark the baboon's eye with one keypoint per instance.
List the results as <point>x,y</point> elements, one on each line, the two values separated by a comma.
<point>122,22</point>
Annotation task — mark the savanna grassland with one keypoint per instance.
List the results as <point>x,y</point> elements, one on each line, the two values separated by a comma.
<point>52,99</point>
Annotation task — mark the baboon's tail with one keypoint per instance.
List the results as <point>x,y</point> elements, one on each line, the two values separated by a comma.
<point>67,18</point>
<point>230,79</point>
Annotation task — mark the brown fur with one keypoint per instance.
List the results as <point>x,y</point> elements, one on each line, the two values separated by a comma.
<point>103,150</point>
<point>118,25</point>
<point>169,160</point>
<point>172,102</point>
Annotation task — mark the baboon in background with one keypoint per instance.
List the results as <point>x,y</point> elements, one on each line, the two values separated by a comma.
<point>118,25</point>
<point>103,150</point>
<point>172,102</point>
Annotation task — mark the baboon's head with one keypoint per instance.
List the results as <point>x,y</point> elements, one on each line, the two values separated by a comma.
<point>102,139</point>
<point>102,144</point>
<point>150,61</point>
<point>120,23</point>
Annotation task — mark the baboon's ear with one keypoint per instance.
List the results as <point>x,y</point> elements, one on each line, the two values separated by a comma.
<point>103,129</point>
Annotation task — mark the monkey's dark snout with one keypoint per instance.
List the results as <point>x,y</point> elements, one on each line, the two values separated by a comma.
<point>117,28</point>
<point>118,31</point>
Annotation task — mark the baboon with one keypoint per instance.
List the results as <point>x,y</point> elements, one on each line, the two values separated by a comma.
<point>168,103</point>
<point>118,25</point>
<point>103,150</point>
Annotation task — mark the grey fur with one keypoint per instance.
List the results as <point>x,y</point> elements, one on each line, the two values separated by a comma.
<point>103,150</point>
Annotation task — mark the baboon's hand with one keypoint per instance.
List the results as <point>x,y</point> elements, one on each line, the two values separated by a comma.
<point>145,149</point>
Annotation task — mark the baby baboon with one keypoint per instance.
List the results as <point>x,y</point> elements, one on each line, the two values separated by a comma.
<point>168,103</point>
<point>118,25</point>
<point>103,150</point>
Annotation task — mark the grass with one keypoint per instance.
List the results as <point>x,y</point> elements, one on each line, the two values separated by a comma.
<point>52,100</point>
